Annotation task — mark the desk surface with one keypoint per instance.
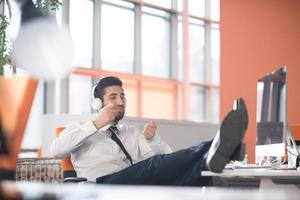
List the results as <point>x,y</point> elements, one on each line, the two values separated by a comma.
<point>254,172</point>
<point>93,191</point>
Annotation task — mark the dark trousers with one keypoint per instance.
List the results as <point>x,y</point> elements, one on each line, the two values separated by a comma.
<point>179,168</point>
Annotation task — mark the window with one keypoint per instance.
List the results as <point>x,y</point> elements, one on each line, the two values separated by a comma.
<point>132,96</point>
<point>197,51</point>
<point>215,54</point>
<point>196,7</point>
<point>215,104</point>
<point>81,27</point>
<point>155,43</point>
<point>117,37</point>
<point>164,3</point>
<point>180,70</point>
<point>161,98</point>
<point>197,103</point>
<point>215,9</point>
<point>164,50</point>
<point>79,86</point>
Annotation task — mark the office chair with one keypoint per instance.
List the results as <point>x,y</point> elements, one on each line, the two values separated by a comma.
<point>68,172</point>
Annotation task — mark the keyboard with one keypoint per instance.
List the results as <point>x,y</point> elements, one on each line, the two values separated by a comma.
<point>247,166</point>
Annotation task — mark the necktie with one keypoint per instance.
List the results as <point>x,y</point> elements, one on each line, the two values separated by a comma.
<point>114,137</point>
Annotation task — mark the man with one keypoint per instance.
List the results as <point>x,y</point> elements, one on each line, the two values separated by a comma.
<point>106,152</point>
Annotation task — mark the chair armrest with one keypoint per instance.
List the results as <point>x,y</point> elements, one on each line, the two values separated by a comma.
<point>74,179</point>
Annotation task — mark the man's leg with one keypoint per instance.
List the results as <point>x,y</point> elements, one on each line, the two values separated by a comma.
<point>166,169</point>
<point>184,167</point>
<point>227,141</point>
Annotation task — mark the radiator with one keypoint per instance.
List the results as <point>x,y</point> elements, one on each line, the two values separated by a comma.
<point>38,170</point>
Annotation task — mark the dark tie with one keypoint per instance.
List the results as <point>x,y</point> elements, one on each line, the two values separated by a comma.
<point>113,130</point>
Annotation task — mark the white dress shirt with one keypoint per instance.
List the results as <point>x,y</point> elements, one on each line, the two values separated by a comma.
<point>94,153</point>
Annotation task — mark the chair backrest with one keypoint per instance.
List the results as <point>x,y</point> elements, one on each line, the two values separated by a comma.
<point>66,164</point>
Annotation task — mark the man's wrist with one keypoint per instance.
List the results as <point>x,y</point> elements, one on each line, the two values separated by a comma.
<point>98,125</point>
<point>151,138</point>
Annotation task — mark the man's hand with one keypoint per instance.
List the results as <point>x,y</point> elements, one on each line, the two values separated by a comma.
<point>149,130</point>
<point>106,115</point>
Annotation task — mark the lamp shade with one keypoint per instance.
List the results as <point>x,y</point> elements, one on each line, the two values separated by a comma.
<point>43,49</point>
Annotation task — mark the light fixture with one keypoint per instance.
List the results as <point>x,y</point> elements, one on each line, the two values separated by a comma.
<point>41,47</point>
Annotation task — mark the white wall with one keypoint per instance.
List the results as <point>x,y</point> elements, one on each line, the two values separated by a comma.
<point>178,134</point>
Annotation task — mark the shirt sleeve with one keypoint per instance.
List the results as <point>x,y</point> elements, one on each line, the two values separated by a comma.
<point>145,150</point>
<point>158,145</point>
<point>71,138</point>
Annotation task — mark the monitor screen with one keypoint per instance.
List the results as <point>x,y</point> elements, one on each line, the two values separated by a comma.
<point>271,114</point>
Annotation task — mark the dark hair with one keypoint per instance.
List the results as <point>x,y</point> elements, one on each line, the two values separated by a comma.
<point>104,83</point>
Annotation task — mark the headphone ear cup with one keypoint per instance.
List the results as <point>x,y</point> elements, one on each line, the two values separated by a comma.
<point>96,104</point>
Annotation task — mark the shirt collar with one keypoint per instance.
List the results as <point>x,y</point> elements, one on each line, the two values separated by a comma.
<point>105,128</point>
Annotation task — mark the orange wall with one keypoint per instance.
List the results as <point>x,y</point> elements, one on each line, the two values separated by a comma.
<point>258,36</point>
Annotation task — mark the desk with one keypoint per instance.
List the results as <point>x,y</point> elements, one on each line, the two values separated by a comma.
<point>268,178</point>
<point>29,190</point>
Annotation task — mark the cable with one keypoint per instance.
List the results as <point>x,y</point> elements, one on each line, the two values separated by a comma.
<point>291,152</point>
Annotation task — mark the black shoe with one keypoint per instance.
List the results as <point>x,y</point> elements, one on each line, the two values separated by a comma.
<point>241,105</point>
<point>229,137</point>
<point>239,152</point>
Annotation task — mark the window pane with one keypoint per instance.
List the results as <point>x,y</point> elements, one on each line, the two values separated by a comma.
<point>197,103</point>
<point>79,94</point>
<point>119,3</point>
<point>197,7</point>
<point>179,5</point>
<point>215,105</point>
<point>164,3</point>
<point>131,92</point>
<point>197,53</point>
<point>58,16</point>
<point>14,22</point>
<point>153,94</point>
<point>117,38</point>
<point>81,27</point>
<point>156,45</point>
<point>11,32</point>
<point>215,9</point>
<point>180,50</point>
<point>215,55</point>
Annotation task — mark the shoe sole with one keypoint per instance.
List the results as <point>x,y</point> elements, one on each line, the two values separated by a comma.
<point>242,107</point>
<point>231,136</point>
<point>239,152</point>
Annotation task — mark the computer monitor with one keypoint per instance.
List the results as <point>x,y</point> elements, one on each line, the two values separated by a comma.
<point>271,115</point>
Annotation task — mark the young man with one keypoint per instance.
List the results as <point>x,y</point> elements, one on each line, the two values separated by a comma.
<point>107,152</point>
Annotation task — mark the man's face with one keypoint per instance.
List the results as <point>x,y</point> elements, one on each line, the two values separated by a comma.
<point>115,95</point>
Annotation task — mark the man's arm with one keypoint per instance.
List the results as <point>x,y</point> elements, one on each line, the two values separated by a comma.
<point>73,136</point>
